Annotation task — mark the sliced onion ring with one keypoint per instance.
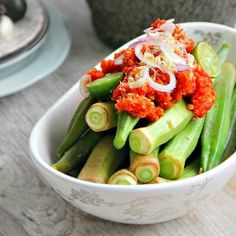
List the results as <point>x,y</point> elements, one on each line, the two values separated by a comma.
<point>165,88</point>
<point>134,44</point>
<point>168,26</point>
<point>181,67</point>
<point>84,80</point>
<point>139,55</point>
<point>145,78</point>
<point>119,60</point>
<point>176,59</point>
<point>161,87</point>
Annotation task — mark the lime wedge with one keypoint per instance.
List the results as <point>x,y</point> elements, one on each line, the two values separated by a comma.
<point>207,57</point>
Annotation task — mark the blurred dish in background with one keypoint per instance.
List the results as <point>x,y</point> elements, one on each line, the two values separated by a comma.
<point>42,59</point>
<point>116,22</point>
<point>14,9</point>
<point>27,32</point>
<point>14,63</point>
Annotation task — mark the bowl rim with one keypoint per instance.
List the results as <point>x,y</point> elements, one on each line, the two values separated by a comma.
<point>36,158</point>
<point>215,25</point>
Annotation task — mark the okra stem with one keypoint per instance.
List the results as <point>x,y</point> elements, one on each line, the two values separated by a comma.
<point>123,177</point>
<point>190,170</point>
<point>103,161</point>
<point>101,116</point>
<point>144,167</point>
<point>144,140</point>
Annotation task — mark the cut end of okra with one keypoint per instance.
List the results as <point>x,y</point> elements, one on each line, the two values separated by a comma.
<point>123,182</point>
<point>101,116</point>
<point>170,168</point>
<point>140,142</point>
<point>95,118</point>
<point>123,177</point>
<point>145,167</point>
<point>146,173</point>
<point>159,180</point>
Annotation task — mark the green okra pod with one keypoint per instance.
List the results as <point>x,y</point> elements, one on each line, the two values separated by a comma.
<point>144,140</point>
<point>76,128</point>
<point>172,158</point>
<point>217,123</point>
<point>101,88</point>
<point>125,125</point>
<point>103,162</point>
<point>223,52</point>
<point>192,169</point>
<point>230,145</point>
<point>78,153</point>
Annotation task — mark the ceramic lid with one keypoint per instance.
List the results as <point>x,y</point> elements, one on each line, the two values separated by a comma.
<point>27,31</point>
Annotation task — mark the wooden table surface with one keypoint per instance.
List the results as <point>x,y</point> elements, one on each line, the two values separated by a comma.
<point>28,206</point>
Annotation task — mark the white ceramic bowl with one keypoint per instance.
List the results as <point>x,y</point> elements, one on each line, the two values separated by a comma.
<point>143,204</point>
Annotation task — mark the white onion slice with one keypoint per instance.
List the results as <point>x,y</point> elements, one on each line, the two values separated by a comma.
<point>139,55</point>
<point>181,67</point>
<point>119,60</point>
<point>164,48</point>
<point>145,77</point>
<point>84,80</point>
<point>171,55</point>
<point>168,26</point>
<point>134,44</point>
<point>190,59</point>
<point>161,87</point>
<point>167,87</point>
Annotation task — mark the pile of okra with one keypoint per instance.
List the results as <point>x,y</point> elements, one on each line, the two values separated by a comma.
<point>102,145</point>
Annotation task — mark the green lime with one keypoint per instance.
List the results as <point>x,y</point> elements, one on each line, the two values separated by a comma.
<point>207,57</point>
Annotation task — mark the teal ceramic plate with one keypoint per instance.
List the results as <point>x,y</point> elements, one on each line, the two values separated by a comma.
<point>48,58</point>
